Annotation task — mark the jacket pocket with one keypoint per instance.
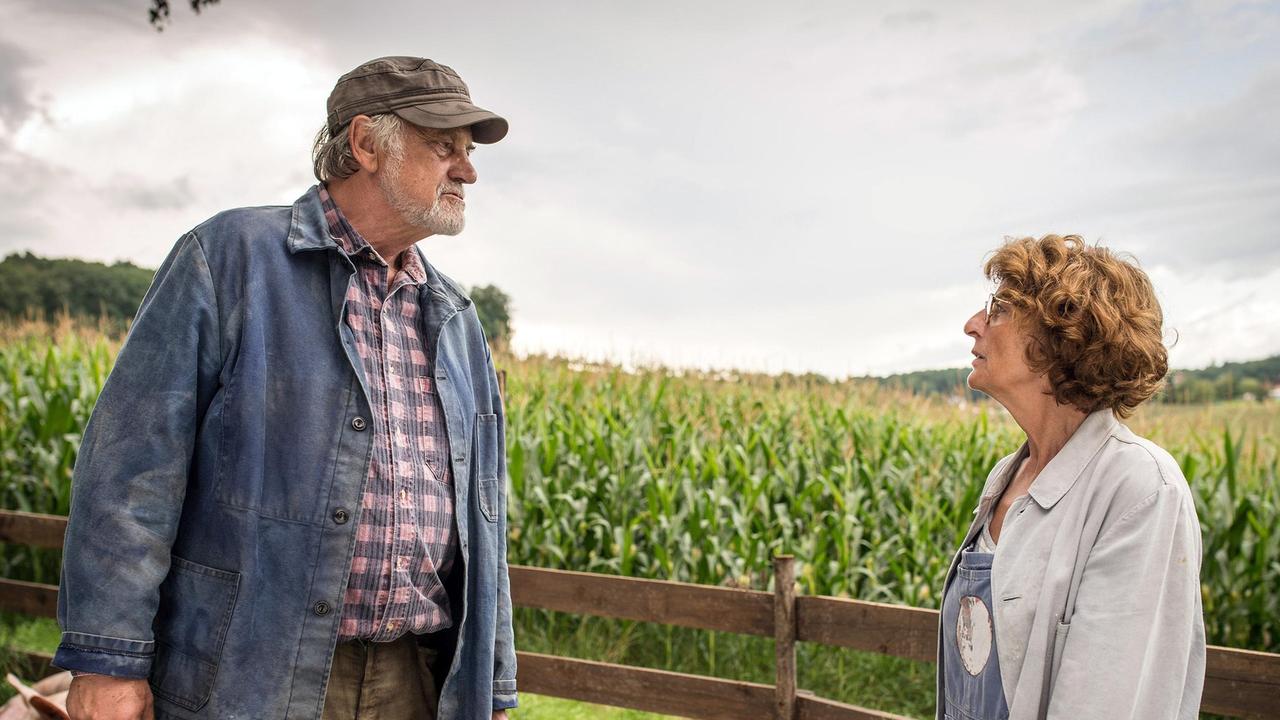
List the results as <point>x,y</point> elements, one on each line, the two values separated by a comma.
<point>486,454</point>
<point>1059,642</point>
<point>191,627</point>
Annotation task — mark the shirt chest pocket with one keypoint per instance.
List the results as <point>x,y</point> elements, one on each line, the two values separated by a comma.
<point>485,452</point>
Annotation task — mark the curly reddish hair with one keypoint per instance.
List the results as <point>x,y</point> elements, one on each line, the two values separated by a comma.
<point>1094,321</point>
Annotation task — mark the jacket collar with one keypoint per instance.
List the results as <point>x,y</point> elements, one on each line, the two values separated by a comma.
<point>1061,472</point>
<point>309,230</point>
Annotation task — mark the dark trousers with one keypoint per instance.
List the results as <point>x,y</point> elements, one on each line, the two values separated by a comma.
<point>382,681</point>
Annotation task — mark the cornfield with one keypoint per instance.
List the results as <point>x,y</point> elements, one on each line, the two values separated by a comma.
<point>704,477</point>
<point>47,390</point>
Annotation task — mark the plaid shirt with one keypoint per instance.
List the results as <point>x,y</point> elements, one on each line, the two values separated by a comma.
<point>406,537</point>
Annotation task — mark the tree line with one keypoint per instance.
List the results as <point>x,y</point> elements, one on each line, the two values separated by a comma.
<point>110,294</point>
<point>1251,380</point>
<point>1228,381</point>
<point>47,287</point>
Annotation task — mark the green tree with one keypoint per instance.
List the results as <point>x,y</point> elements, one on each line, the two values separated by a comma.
<point>494,308</point>
<point>45,286</point>
<point>1251,386</point>
<point>1224,388</point>
<point>1197,390</point>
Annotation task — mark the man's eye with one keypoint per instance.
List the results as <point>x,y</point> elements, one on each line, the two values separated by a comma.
<point>444,148</point>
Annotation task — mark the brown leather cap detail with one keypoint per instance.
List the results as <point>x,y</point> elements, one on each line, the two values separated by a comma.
<point>419,90</point>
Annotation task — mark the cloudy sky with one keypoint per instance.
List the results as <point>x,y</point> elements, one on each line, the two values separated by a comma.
<point>776,186</point>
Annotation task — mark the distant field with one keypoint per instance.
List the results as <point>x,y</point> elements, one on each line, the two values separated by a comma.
<point>702,478</point>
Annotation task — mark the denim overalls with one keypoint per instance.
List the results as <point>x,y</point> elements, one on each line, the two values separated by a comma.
<point>973,687</point>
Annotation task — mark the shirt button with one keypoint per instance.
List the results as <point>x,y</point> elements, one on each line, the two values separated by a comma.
<point>321,608</point>
<point>341,516</point>
<point>358,423</point>
<point>402,563</point>
<point>404,494</point>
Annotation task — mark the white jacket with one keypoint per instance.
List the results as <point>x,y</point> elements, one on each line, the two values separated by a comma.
<point>1096,583</point>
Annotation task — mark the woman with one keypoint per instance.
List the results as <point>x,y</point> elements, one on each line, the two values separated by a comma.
<point>1076,591</point>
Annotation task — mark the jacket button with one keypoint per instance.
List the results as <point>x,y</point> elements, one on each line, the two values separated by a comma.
<point>341,516</point>
<point>358,423</point>
<point>321,608</point>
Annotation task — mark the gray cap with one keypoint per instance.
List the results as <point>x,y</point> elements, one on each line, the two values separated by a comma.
<point>420,91</point>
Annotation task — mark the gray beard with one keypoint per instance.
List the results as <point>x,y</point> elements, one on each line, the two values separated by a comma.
<point>439,219</point>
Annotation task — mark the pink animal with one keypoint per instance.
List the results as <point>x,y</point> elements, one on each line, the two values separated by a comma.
<point>44,700</point>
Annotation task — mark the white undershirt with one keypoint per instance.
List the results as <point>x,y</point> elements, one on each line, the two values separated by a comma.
<point>984,542</point>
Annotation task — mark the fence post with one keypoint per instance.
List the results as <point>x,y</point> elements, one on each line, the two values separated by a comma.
<point>784,634</point>
<point>502,384</point>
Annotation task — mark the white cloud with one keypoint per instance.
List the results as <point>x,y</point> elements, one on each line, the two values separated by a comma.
<point>1217,318</point>
<point>148,149</point>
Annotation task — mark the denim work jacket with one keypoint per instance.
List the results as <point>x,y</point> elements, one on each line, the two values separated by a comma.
<point>216,493</point>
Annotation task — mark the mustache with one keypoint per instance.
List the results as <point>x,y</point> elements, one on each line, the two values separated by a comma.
<point>455,188</point>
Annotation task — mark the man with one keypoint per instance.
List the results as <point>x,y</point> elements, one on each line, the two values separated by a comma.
<point>290,499</point>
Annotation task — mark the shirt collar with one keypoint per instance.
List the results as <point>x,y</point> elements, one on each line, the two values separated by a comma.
<point>355,246</point>
<point>351,242</point>
<point>308,230</point>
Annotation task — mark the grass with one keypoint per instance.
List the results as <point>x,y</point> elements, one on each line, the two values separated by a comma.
<point>539,707</point>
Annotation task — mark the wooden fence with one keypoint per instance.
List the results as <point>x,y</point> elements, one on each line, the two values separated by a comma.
<point>1238,683</point>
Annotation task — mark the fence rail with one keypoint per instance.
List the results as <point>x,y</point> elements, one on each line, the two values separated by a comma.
<point>1238,683</point>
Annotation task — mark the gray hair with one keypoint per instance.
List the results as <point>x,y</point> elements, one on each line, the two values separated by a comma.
<point>331,155</point>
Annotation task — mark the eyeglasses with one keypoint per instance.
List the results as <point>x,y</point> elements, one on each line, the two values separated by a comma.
<point>994,307</point>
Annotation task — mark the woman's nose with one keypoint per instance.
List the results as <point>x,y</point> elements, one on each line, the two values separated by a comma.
<point>976,323</point>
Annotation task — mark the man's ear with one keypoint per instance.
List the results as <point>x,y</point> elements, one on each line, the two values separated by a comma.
<point>363,148</point>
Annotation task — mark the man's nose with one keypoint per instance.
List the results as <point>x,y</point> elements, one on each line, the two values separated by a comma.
<point>463,171</point>
<point>976,323</point>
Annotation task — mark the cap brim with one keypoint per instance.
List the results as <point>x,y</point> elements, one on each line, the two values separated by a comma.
<point>486,127</point>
